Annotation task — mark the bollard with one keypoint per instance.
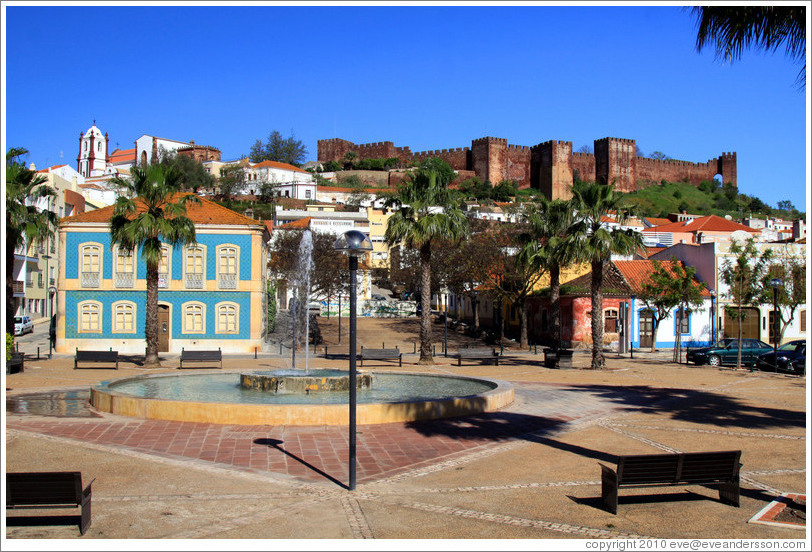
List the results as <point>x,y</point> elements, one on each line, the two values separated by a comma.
<point>414,347</point>
<point>255,353</point>
<point>383,344</point>
<point>536,351</point>
<point>280,347</point>
<point>37,353</point>
<point>434,350</point>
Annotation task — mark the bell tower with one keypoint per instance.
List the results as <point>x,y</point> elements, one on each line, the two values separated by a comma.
<point>92,159</point>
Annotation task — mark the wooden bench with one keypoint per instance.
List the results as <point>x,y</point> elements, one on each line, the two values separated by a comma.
<point>690,468</point>
<point>381,354</point>
<point>95,356</point>
<point>201,356</point>
<point>481,353</point>
<point>48,490</point>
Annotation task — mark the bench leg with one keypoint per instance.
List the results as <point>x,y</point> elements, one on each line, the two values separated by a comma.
<point>609,490</point>
<point>729,492</point>
<point>85,520</point>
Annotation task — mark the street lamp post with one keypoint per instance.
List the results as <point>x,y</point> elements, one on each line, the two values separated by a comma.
<point>775,283</point>
<point>52,322</point>
<point>355,244</point>
<point>712,328</point>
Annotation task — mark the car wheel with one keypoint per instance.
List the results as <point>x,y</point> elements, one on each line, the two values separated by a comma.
<point>714,360</point>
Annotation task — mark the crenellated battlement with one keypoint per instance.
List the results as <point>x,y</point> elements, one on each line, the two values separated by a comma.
<point>549,165</point>
<point>489,140</point>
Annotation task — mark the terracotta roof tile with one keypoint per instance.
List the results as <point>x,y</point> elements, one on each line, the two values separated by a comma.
<point>710,223</point>
<point>301,224</point>
<point>278,165</point>
<point>658,221</point>
<point>49,169</point>
<point>614,285</point>
<point>205,212</point>
<point>637,272</point>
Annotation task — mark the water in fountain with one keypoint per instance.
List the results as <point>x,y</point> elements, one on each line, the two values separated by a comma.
<point>303,274</point>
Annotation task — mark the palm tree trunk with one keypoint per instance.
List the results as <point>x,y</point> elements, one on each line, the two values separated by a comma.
<point>425,304</point>
<point>555,304</point>
<point>476,314</point>
<point>598,362</point>
<point>151,327</point>
<point>523,324</point>
<point>10,302</point>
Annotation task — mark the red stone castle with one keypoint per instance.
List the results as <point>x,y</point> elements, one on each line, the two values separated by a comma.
<point>548,166</point>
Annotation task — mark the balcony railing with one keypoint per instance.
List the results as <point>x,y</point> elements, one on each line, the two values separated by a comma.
<point>18,287</point>
<point>125,280</point>
<point>90,279</point>
<point>228,281</point>
<point>52,282</point>
<point>194,281</point>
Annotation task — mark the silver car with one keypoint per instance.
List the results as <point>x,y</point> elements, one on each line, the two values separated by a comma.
<point>23,325</point>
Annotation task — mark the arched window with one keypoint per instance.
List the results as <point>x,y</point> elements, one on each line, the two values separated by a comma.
<point>90,256</point>
<point>124,317</point>
<point>194,267</point>
<point>610,320</point>
<point>228,318</point>
<point>164,267</point>
<point>227,266</point>
<point>125,268</point>
<point>682,325</point>
<point>194,318</point>
<point>90,319</point>
<point>144,158</point>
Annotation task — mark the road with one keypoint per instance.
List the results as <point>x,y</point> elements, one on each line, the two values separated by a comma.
<point>28,343</point>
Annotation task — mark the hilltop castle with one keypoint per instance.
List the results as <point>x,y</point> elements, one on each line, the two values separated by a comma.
<point>548,166</point>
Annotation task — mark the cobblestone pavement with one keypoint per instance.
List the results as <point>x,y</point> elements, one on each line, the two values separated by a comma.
<point>527,472</point>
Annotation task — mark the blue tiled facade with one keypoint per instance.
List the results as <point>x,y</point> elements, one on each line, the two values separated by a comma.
<point>243,306</point>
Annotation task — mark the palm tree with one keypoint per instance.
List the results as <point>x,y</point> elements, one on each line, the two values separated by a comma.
<point>596,244</point>
<point>25,223</point>
<point>426,210</point>
<point>151,212</point>
<point>731,29</point>
<point>552,223</point>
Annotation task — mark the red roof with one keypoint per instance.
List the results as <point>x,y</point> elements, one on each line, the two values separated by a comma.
<point>301,224</point>
<point>119,156</point>
<point>658,221</point>
<point>278,165</point>
<point>637,272</point>
<point>205,212</point>
<point>49,169</point>
<point>710,223</point>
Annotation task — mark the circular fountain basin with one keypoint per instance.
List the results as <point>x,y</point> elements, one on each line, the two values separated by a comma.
<point>221,399</point>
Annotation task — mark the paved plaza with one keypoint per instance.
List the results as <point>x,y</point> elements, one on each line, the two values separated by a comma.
<point>530,471</point>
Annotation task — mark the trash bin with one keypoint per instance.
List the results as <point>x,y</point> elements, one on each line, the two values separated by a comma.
<point>550,358</point>
<point>565,358</point>
<point>16,364</point>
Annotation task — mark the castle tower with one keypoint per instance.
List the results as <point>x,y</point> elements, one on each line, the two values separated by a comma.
<point>489,158</point>
<point>615,163</point>
<point>551,169</point>
<point>92,159</point>
<point>727,167</point>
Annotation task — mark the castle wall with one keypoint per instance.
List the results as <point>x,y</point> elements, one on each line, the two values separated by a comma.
<point>547,166</point>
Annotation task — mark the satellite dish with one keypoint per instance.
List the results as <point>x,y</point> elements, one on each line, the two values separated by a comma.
<point>728,217</point>
<point>740,236</point>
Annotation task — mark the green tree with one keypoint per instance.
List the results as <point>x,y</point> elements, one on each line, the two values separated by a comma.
<point>475,188</point>
<point>195,177</point>
<point>151,211</point>
<point>504,190</point>
<point>731,29</point>
<point>596,244</point>
<point>790,268</point>
<point>350,158</point>
<point>743,273</point>
<point>278,148</point>
<point>671,286</point>
<point>425,211</point>
<point>232,179</point>
<point>659,155</point>
<point>553,248</point>
<point>26,223</point>
<point>444,171</point>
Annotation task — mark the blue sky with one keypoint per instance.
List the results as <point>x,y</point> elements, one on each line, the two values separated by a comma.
<point>428,77</point>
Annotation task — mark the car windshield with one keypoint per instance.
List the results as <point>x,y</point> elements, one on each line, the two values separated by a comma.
<point>791,346</point>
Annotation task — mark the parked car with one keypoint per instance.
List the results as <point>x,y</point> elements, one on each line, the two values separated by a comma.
<point>797,366</point>
<point>727,350</point>
<point>378,297</point>
<point>786,354</point>
<point>23,325</point>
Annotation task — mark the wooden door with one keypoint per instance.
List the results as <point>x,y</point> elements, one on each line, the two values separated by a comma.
<point>751,327</point>
<point>646,328</point>
<point>163,329</point>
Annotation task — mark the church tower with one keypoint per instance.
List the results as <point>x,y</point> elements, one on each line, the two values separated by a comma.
<point>92,158</point>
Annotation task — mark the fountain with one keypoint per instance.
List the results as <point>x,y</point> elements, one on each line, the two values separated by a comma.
<point>302,304</point>
<point>222,398</point>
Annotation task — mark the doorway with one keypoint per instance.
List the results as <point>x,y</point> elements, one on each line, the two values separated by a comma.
<point>750,324</point>
<point>646,328</point>
<point>163,328</point>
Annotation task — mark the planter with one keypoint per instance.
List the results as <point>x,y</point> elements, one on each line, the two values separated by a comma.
<point>16,364</point>
<point>558,359</point>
